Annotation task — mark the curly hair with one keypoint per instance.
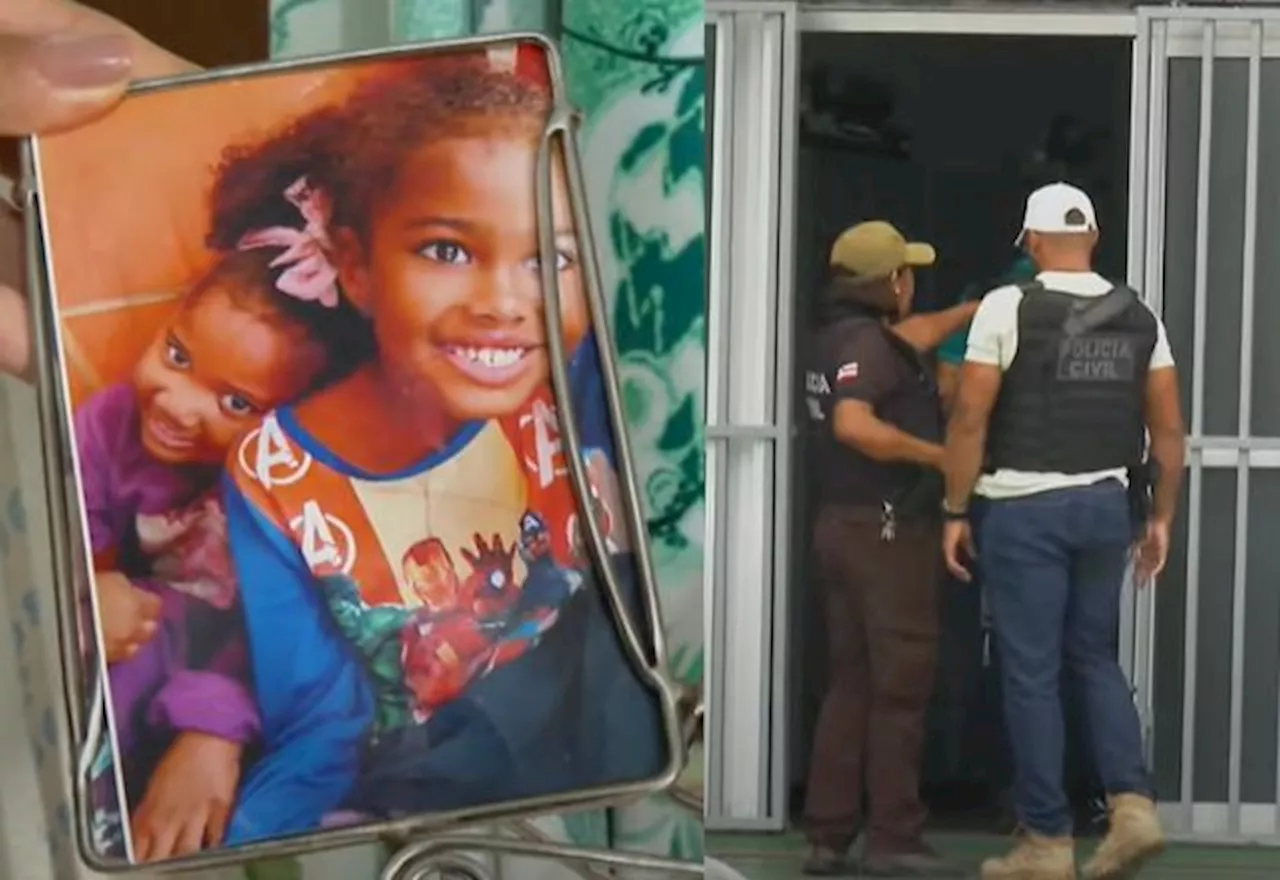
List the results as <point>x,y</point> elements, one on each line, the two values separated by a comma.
<point>249,279</point>
<point>355,151</point>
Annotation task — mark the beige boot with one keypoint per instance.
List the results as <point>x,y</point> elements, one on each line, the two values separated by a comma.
<point>1034,858</point>
<point>1134,837</point>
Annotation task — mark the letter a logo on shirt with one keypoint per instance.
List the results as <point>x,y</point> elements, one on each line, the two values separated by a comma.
<point>326,542</point>
<point>847,373</point>
<point>268,456</point>
<point>547,460</point>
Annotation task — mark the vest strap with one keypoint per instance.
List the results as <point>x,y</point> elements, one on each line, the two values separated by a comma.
<point>1111,305</point>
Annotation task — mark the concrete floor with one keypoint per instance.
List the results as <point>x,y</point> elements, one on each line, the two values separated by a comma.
<point>778,857</point>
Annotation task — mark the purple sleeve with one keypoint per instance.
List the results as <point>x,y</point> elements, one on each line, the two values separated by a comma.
<point>215,699</point>
<point>97,433</point>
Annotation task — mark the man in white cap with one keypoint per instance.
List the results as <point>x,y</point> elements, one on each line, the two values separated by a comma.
<point>1062,381</point>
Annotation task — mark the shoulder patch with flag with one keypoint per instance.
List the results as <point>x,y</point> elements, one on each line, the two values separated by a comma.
<point>847,373</point>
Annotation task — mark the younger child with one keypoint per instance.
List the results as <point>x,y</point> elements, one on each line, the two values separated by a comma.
<point>255,331</point>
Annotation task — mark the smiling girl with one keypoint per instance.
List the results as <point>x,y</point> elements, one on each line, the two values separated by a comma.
<point>242,339</point>
<point>447,434</point>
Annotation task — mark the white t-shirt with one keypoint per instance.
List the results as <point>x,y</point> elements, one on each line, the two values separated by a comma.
<point>993,340</point>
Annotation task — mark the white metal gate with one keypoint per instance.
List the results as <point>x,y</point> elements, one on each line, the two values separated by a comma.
<point>1205,242</point>
<point>752,56</point>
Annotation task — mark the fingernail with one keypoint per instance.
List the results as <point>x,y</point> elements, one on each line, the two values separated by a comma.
<point>84,62</point>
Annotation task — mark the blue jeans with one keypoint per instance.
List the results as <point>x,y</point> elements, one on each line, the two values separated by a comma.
<point>1053,565</point>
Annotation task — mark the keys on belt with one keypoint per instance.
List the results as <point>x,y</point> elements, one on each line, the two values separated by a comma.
<point>888,522</point>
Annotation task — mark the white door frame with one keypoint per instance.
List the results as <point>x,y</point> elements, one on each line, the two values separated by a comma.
<point>752,303</point>
<point>750,394</point>
<point>857,18</point>
<point>748,688</point>
<point>1206,34</point>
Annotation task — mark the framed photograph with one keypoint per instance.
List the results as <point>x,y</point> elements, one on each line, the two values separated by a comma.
<point>360,532</point>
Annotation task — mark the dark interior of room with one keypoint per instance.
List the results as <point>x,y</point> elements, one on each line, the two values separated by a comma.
<point>944,136</point>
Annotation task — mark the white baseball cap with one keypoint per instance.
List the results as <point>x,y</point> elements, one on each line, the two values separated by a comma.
<point>1058,207</point>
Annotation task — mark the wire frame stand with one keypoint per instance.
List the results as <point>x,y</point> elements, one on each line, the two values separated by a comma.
<point>439,858</point>
<point>444,857</point>
<point>432,860</point>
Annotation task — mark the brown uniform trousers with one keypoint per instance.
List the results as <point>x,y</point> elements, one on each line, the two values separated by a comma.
<point>880,604</point>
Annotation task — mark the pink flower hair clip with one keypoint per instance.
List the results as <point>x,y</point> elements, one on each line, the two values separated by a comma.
<point>311,275</point>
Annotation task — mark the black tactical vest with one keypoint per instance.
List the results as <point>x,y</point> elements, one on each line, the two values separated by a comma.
<point>1072,400</point>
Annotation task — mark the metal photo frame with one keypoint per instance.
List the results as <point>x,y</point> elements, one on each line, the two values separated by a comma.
<point>426,842</point>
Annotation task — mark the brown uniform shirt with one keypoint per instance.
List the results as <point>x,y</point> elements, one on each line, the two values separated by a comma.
<point>856,357</point>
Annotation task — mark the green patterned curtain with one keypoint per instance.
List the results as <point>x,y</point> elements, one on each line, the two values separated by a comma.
<point>441,19</point>
<point>431,19</point>
<point>636,72</point>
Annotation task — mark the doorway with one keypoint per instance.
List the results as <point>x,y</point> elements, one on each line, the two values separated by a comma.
<point>1203,186</point>
<point>931,132</point>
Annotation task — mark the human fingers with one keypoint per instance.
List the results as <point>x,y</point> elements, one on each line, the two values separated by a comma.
<point>50,82</point>
<point>143,632</point>
<point>145,626</point>
<point>958,569</point>
<point>216,828</point>
<point>113,651</point>
<point>1141,578</point>
<point>63,64</point>
<point>1159,557</point>
<point>191,834</point>
<point>149,604</point>
<point>1162,548</point>
<point>1151,552</point>
<point>1138,567</point>
<point>141,837</point>
<point>951,553</point>
<point>1144,566</point>
<point>15,338</point>
<point>162,838</point>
